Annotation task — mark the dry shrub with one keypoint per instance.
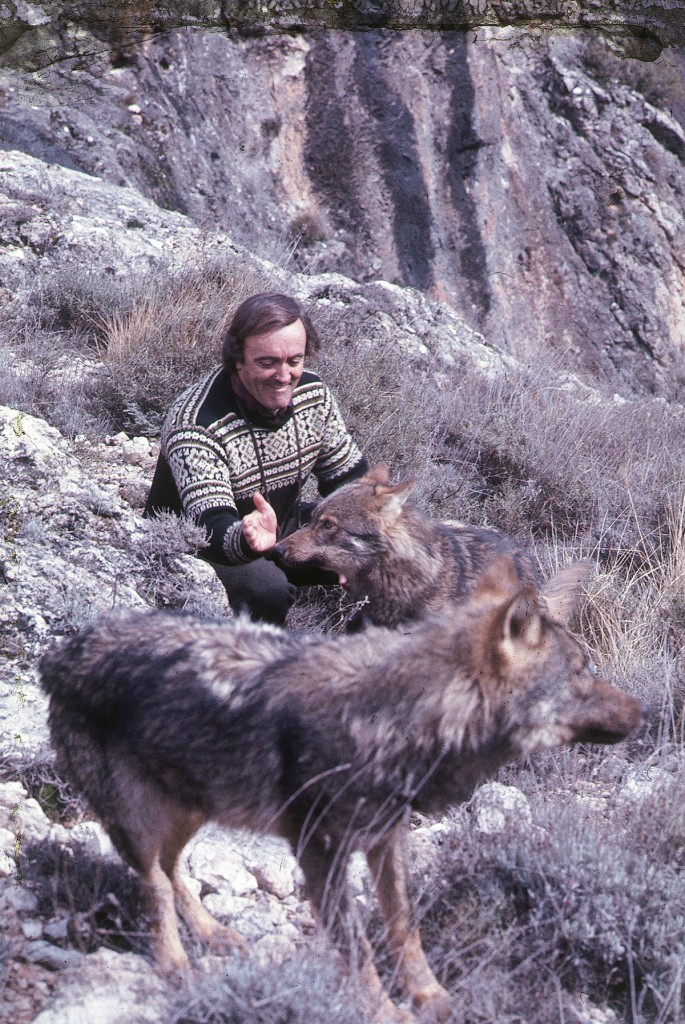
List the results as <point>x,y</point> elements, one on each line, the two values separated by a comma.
<point>101,899</point>
<point>306,989</point>
<point>554,459</point>
<point>520,924</point>
<point>166,538</point>
<point>168,338</point>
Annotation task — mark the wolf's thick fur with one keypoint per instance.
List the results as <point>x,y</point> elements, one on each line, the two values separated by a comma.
<point>404,565</point>
<point>165,722</point>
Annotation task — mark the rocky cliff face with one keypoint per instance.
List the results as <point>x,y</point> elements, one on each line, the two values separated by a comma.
<point>537,185</point>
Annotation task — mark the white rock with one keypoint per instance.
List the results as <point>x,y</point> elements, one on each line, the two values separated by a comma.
<point>497,808</point>
<point>94,840</point>
<point>276,877</point>
<point>643,784</point>
<point>214,862</point>
<point>227,904</point>
<point>21,898</point>
<point>8,864</point>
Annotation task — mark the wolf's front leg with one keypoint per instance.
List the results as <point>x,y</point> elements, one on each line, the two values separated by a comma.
<point>387,861</point>
<point>325,876</point>
<point>196,916</point>
<point>169,954</point>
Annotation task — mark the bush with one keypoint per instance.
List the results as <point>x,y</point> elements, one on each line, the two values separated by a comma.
<point>168,338</point>
<point>100,898</point>
<point>574,904</point>
<point>164,583</point>
<point>307,989</point>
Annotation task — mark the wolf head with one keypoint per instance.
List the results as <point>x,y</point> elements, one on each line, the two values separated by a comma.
<point>351,527</point>
<point>533,674</point>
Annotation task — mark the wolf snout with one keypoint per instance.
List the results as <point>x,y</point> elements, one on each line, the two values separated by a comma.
<point>617,716</point>
<point>279,549</point>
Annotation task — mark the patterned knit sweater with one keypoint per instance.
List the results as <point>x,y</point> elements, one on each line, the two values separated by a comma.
<point>218,458</point>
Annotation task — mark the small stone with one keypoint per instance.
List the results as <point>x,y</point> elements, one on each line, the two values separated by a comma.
<point>275,878</point>
<point>496,808</point>
<point>21,899</point>
<point>31,929</point>
<point>49,956</point>
<point>57,931</point>
<point>94,840</point>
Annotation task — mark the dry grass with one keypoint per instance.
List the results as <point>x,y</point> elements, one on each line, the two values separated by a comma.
<point>572,904</point>
<point>583,902</point>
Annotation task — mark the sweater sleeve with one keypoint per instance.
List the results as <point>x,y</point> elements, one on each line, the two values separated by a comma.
<point>203,480</point>
<point>340,460</point>
<point>227,543</point>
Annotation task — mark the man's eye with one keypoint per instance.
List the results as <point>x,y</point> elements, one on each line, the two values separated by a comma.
<point>295,361</point>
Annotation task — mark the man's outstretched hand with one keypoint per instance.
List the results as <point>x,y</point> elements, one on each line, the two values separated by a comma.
<point>260,526</point>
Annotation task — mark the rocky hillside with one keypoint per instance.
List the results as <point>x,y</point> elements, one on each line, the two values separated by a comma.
<point>490,232</point>
<point>535,183</point>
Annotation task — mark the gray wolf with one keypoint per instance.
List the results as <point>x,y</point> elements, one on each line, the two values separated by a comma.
<point>166,722</point>
<point>403,565</point>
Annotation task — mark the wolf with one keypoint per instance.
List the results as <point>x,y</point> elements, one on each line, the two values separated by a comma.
<point>164,722</point>
<point>401,564</point>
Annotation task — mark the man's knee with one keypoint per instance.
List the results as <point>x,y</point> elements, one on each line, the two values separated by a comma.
<point>260,588</point>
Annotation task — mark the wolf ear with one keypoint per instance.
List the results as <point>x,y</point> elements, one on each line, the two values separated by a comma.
<point>393,499</point>
<point>561,592</point>
<point>522,625</point>
<point>498,582</point>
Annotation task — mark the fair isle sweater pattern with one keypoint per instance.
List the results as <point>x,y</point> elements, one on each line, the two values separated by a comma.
<point>216,468</point>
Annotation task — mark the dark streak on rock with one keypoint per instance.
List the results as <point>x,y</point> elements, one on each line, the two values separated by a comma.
<point>462,157</point>
<point>397,151</point>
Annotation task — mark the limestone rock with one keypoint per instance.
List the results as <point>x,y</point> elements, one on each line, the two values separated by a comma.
<point>537,193</point>
<point>497,808</point>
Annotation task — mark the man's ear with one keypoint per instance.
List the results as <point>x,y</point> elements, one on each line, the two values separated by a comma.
<point>561,593</point>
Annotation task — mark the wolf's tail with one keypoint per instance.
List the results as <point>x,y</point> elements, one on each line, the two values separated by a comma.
<point>87,671</point>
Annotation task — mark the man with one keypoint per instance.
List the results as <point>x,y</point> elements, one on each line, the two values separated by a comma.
<point>238,446</point>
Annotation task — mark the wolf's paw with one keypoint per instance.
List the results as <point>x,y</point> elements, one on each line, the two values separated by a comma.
<point>173,967</point>
<point>225,940</point>
<point>432,1003</point>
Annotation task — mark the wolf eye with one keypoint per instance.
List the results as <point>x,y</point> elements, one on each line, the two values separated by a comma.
<point>326,524</point>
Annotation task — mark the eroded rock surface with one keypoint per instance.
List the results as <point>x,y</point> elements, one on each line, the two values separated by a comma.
<point>539,192</point>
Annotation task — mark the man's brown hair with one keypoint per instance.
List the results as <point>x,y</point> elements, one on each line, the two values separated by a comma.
<point>261,314</point>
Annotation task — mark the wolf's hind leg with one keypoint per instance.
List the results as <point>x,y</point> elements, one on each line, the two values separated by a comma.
<point>193,911</point>
<point>388,867</point>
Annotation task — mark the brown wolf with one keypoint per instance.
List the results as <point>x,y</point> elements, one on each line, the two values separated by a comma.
<point>402,564</point>
<point>165,722</point>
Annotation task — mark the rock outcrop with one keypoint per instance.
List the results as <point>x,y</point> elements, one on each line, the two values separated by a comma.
<point>537,191</point>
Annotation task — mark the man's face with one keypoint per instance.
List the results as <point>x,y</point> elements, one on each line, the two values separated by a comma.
<point>273,364</point>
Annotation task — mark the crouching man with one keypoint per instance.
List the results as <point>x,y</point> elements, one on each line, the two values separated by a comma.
<point>238,446</point>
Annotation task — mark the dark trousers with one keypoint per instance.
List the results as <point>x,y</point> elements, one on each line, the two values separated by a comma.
<point>266,588</point>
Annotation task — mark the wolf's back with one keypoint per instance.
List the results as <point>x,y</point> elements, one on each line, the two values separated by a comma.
<point>74,673</point>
